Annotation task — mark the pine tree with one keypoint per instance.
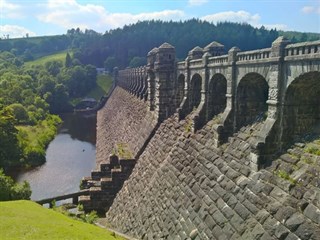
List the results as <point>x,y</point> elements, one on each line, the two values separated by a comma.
<point>68,63</point>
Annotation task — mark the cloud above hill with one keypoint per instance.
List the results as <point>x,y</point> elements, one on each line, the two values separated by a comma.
<point>70,14</point>
<point>15,31</point>
<point>10,10</point>
<point>241,17</point>
<point>311,9</point>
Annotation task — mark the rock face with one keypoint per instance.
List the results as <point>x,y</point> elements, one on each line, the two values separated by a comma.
<point>124,120</point>
<point>185,188</point>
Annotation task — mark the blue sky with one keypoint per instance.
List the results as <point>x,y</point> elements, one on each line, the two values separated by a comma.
<point>50,17</point>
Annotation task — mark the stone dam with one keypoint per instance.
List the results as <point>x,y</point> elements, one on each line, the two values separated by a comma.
<point>219,146</point>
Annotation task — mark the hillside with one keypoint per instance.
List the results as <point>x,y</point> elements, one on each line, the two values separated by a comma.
<point>61,57</point>
<point>120,46</point>
<point>28,220</point>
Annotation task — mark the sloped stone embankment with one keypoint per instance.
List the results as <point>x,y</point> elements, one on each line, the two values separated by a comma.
<point>182,187</point>
<point>124,120</point>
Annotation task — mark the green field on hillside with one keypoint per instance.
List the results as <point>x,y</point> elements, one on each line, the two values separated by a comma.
<point>61,56</point>
<point>28,220</point>
<point>104,83</point>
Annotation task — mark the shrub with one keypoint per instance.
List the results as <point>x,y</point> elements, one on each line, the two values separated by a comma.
<point>9,190</point>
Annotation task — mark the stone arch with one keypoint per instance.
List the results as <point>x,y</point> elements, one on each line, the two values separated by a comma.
<point>180,89</point>
<point>217,100</point>
<point>251,99</point>
<point>195,91</point>
<point>301,107</point>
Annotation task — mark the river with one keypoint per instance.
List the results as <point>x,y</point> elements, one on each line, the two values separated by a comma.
<point>69,157</point>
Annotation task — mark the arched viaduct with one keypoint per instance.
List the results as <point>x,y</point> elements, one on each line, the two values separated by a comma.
<point>279,85</point>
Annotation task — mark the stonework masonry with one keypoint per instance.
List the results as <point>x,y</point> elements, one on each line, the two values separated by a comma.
<point>223,146</point>
<point>125,120</point>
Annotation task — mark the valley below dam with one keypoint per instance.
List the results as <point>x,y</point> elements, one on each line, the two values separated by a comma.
<point>69,157</point>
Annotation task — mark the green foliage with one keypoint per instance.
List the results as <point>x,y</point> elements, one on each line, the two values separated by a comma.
<point>9,190</point>
<point>34,140</point>
<point>188,126</point>
<point>10,151</point>
<point>19,112</point>
<point>104,83</point>
<point>68,61</point>
<point>89,218</point>
<point>122,151</point>
<point>313,149</point>
<point>284,175</point>
<point>137,62</point>
<point>80,207</point>
<point>110,63</point>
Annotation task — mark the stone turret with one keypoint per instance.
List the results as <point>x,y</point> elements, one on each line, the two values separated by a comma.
<point>215,49</point>
<point>165,56</point>
<point>195,53</point>
<point>164,79</point>
<point>151,57</point>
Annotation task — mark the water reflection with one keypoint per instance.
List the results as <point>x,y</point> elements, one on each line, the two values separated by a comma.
<point>70,156</point>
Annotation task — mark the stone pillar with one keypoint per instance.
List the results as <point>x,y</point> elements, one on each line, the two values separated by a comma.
<point>185,104</point>
<point>229,116</point>
<point>151,78</point>
<point>200,117</point>
<point>164,67</point>
<point>269,138</point>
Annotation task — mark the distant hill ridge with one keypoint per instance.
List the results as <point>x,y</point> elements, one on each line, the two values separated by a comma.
<point>120,46</point>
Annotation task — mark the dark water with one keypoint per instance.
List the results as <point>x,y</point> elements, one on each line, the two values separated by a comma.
<point>70,156</point>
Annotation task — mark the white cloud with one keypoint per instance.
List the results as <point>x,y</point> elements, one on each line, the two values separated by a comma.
<point>310,9</point>
<point>15,31</point>
<point>9,10</point>
<point>278,26</point>
<point>241,17</point>
<point>197,2</point>
<point>70,14</point>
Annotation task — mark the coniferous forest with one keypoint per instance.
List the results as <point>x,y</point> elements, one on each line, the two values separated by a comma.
<point>128,46</point>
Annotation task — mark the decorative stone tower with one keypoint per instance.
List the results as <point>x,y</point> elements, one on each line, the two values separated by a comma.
<point>161,75</point>
<point>215,49</point>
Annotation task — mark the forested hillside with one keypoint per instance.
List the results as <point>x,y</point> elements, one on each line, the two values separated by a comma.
<point>128,46</point>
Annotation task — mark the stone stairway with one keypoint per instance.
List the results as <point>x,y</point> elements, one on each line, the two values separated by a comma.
<point>105,183</point>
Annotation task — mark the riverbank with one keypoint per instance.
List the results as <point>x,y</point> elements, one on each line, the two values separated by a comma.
<point>69,157</point>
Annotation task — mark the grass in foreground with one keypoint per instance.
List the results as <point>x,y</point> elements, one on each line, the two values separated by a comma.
<point>28,220</point>
<point>104,83</point>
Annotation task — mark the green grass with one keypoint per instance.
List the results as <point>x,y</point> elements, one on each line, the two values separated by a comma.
<point>61,56</point>
<point>28,220</point>
<point>313,149</point>
<point>104,83</point>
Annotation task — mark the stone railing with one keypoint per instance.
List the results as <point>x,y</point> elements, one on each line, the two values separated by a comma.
<point>218,60</point>
<point>180,65</point>
<point>302,48</point>
<point>254,55</point>
<point>196,62</point>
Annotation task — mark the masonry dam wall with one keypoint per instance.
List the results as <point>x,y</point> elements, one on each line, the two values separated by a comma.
<point>225,146</point>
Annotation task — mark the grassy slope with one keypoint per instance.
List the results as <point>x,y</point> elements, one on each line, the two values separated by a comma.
<point>28,220</point>
<point>104,83</point>
<point>61,56</point>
